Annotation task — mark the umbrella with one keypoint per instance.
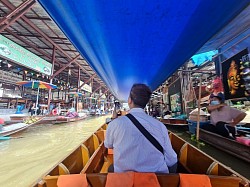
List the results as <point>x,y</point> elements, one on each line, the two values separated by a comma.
<point>38,85</point>
<point>75,94</point>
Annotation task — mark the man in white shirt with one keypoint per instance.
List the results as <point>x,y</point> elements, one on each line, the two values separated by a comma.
<point>132,150</point>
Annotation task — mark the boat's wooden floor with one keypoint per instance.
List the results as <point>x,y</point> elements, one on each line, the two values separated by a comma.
<point>93,157</point>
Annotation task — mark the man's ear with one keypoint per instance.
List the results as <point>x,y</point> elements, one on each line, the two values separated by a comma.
<point>129,100</point>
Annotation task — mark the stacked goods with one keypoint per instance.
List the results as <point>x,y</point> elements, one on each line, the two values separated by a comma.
<point>31,119</point>
<point>193,116</point>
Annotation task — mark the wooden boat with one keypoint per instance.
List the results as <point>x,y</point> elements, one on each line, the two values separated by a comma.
<point>63,119</point>
<point>11,129</point>
<point>230,146</point>
<point>92,158</point>
<point>16,117</point>
<point>169,180</point>
<point>175,124</point>
<point>45,120</point>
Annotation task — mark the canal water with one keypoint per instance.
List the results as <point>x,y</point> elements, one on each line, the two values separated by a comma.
<point>23,161</point>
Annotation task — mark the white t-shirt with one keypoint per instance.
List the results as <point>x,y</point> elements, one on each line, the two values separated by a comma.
<point>225,114</point>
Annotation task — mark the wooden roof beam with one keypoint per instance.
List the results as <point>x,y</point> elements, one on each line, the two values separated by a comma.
<point>64,67</point>
<point>97,88</point>
<point>32,45</point>
<point>33,26</point>
<point>15,14</point>
<point>85,82</point>
<point>103,93</point>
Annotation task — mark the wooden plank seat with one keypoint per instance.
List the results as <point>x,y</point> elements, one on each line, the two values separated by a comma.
<point>192,160</point>
<point>98,162</point>
<point>169,180</point>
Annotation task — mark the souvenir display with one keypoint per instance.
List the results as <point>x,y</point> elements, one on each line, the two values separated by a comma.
<point>236,76</point>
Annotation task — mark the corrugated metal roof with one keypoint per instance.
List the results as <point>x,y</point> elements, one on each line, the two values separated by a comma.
<point>33,41</point>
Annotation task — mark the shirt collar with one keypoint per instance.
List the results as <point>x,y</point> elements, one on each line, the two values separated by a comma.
<point>137,110</point>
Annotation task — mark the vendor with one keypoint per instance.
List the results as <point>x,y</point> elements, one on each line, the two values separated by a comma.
<point>72,113</point>
<point>223,117</point>
<point>167,115</point>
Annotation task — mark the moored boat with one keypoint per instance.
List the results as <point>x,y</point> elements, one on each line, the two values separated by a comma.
<point>92,157</point>
<point>11,129</point>
<point>63,119</point>
<point>175,124</point>
<point>230,146</point>
<point>45,120</point>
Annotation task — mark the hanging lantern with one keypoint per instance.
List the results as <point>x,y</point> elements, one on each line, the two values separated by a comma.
<point>26,72</point>
<point>9,65</point>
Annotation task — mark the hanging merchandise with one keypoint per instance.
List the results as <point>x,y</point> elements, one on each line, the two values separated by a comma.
<point>215,87</point>
<point>236,76</point>
<point>175,97</point>
<point>245,72</point>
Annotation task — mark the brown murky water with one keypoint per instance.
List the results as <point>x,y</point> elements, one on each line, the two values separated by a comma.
<point>23,161</point>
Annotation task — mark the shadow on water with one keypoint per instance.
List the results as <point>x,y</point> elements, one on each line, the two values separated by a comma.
<point>238,165</point>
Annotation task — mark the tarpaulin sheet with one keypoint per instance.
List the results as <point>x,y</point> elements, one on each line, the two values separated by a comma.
<point>139,41</point>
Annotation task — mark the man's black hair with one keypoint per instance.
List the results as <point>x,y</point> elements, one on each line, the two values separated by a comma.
<point>140,95</point>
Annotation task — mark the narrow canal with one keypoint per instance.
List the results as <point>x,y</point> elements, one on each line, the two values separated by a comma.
<point>25,160</point>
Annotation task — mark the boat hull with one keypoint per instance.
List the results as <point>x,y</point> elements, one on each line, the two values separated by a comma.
<point>92,157</point>
<point>230,146</point>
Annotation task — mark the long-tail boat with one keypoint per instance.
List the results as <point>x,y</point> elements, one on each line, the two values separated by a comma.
<point>63,119</point>
<point>93,159</point>
<point>177,124</point>
<point>11,129</point>
<point>233,147</point>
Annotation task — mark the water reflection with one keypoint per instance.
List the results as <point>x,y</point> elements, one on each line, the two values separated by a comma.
<point>25,160</point>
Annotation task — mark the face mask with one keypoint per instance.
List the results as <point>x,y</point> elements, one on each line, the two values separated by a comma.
<point>215,102</point>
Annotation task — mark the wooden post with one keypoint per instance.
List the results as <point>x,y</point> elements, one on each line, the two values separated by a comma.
<point>78,90</point>
<point>199,109</point>
<point>51,79</point>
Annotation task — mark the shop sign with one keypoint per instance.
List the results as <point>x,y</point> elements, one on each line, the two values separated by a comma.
<point>15,52</point>
<point>9,77</point>
<point>86,87</point>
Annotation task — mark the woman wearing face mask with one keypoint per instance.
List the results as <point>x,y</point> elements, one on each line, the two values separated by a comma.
<point>223,117</point>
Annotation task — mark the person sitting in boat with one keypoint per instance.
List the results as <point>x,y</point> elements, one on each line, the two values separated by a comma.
<point>132,150</point>
<point>72,113</point>
<point>33,109</point>
<point>167,115</point>
<point>223,117</point>
<point>38,109</point>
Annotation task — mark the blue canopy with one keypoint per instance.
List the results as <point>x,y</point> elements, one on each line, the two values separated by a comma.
<point>140,41</point>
